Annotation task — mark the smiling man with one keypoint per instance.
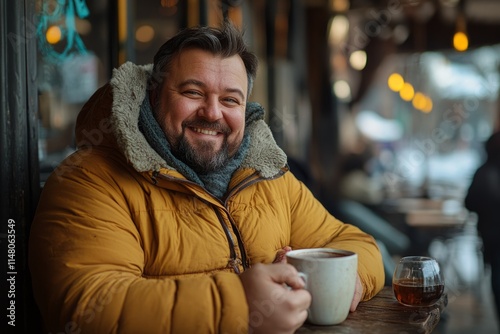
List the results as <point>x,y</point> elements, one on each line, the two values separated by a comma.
<point>176,210</point>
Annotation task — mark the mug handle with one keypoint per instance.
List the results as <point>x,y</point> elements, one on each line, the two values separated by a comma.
<point>303,276</point>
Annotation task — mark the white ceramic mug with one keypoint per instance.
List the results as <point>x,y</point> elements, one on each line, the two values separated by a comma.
<point>331,280</point>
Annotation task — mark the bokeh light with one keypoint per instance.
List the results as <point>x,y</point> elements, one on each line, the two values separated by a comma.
<point>145,33</point>
<point>53,35</point>
<point>342,90</point>
<point>419,101</point>
<point>395,82</point>
<point>460,41</point>
<point>407,92</point>
<point>358,60</point>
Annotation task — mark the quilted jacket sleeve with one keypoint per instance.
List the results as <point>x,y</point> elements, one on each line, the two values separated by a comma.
<point>313,226</point>
<point>87,263</point>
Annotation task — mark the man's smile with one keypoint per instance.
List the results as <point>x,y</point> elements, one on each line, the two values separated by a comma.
<point>205,131</point>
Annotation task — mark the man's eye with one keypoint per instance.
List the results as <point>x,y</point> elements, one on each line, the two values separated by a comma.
<point>231,100</point>
<point>192,93</point>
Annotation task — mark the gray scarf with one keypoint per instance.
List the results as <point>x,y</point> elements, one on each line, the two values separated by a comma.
<point>215,182</point>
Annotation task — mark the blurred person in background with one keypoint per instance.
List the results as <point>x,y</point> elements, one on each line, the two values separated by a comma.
<point>483,198</point>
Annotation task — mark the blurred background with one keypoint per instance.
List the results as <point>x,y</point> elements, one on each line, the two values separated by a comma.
<point>383,107</point>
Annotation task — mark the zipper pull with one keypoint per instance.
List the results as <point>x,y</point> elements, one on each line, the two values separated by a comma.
<point>235,263</point>
<point>153,177</point>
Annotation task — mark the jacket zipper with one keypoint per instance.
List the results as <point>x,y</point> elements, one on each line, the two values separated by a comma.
<point>234,261</point>
<point>242,185</point>
<point>250,180</point>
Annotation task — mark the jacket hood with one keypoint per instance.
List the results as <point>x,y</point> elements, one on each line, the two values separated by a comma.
<point>110,119</point>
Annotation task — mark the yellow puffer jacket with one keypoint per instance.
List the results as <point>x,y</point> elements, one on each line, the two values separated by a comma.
<point>121,243</point>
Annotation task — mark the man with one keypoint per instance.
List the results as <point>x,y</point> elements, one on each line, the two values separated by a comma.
<point>169,216</point>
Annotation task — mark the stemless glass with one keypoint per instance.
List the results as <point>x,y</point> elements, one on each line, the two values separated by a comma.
<point>417,281</point>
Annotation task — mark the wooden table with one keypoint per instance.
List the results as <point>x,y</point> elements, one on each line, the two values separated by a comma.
<point>384,315</point>
<point>431,213</point>
<point>425,220</point>
<point>436,219</point>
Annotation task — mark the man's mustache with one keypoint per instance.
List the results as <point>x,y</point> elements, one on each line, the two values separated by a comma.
<point>214,126</point>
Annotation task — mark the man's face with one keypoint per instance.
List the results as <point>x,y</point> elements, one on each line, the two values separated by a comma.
<point>201,108</point>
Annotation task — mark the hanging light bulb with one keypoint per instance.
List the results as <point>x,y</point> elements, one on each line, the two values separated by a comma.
<point>460,38</point>
<point>460,41</point>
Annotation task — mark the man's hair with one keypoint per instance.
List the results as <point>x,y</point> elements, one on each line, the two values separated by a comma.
<point>226,42</point>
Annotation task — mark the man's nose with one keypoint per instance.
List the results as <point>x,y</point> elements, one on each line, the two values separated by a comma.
<point>211,109</point>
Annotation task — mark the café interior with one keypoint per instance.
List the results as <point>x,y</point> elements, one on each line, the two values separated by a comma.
<point>383,107</point>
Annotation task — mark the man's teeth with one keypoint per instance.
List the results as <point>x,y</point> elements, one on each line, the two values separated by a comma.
<point>205,132</point>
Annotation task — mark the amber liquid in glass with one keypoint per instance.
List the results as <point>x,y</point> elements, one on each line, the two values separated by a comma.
<point>413,293</point>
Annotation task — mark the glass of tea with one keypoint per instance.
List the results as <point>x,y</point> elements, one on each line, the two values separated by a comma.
<point>417,281</point>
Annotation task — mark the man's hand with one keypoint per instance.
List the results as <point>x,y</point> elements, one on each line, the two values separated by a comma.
<point>276,299</point>
<point>281,255</point>
<point>358,293</point>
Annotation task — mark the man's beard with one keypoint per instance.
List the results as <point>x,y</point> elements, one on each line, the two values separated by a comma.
<point>202,159</point>
<point>198,158</point>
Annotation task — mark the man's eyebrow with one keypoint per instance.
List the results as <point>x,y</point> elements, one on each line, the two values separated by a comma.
<point>191,82</point>
<point>203,85</point>
<point>237,91</point>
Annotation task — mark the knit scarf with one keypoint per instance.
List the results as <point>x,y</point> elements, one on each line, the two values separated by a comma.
<point>215,182</point>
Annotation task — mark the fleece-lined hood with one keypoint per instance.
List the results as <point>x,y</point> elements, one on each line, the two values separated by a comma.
<point>110,118</point>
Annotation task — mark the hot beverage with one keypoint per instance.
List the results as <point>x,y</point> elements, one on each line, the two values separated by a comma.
<point>321,255</point>
<point>414,293</point>
<point>330,277</point>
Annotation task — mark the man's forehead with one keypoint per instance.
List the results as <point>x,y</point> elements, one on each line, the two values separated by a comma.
<point>190,60</point>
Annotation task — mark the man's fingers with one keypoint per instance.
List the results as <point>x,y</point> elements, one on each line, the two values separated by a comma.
<point>358,293</point>
<point>283,273</point>
<point>281,254</point>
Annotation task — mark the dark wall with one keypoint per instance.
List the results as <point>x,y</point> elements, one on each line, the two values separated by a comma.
<point>19,181</point>
<point>325,127</point>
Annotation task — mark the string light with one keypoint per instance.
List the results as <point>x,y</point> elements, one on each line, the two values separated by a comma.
<point>407,92</point>
<point>428,105</point>
<point>395,82</point>
<point>419,100</point>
